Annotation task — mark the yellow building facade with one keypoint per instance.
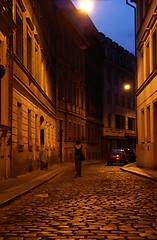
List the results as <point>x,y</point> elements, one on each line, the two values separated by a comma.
<point>146,48</point>
<point>7,27</point>
<point>34,92</point>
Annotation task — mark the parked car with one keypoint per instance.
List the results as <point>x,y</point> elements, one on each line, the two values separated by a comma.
<point>117,156</point>
<point>131,155</point>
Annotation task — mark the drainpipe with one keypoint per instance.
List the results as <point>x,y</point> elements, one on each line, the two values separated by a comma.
<point>10,50</point>
<point>135,28</point>
<point>129,4</point>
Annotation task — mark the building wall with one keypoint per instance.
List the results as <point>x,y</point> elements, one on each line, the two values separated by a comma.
<point>79,96</point>
<point>33,108</point>
<point>94,90</point>
<point>118,104</point>
<point>7,26</point>
<point>70,79</point>
<point>5,129</point>
<point>146,83</point>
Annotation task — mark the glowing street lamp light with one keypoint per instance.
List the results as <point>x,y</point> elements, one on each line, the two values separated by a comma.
<point>127,86</point>
<point>86,5</point>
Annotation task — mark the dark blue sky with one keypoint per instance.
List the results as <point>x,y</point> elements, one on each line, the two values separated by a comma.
<point>116,20</point>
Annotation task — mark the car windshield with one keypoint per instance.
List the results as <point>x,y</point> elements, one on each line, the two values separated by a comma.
<point>117,151</point>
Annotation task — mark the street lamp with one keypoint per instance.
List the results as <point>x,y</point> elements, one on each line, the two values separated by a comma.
<point>85,5</point>
<point>127,86</point>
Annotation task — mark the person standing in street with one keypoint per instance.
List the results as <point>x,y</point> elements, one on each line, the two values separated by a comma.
<point>78,157</point>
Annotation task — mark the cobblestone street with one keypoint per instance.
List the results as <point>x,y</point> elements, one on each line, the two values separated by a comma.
<point>105,203</point>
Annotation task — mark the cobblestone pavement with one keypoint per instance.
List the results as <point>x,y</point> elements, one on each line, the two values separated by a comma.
<point>105,203</point>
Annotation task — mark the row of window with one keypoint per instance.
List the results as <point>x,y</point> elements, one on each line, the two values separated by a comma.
<point>34,129</point>
<point>73,94</point>
<point>148,55</point>
<point>29,52</point>
<point>120,122</point>
<point>77,131</point>
<point>121,100</point>
<point>67,48</point>
<point>115,77</point>
<point>117,58</point>
<point>39,132</point>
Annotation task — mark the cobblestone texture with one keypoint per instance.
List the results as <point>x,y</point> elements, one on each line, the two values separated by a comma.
<point>105,203</point>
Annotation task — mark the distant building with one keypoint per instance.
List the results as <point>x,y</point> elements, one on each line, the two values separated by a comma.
<point>146,39</point>
<point>94,88</point>
<point>79,77</point>
<point>119,116</point>
<point>70,75</point>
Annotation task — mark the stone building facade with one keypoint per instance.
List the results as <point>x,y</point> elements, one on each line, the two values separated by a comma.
<point>146,49</point>
<point>71,114</point>
<point>34,92</point>
<point>28,88</point>
<point>119,116</point>
<point>7,27</point>
<point>79,77</point>
<point>94,91</point>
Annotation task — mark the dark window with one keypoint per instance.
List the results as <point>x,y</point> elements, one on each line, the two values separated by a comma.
<point>19,37</point>
<point>131,124</point>
<point>120,122</point>
<point>29,52</point>
<point>154,50</point>
<point>109,120</point>
<point>42,137</point>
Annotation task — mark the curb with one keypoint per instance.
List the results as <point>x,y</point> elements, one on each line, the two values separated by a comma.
<point>14,193</point>
<point>144,175</point>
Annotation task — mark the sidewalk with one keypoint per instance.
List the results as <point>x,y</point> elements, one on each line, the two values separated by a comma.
<point>12,188</point>
<point>132,168</point>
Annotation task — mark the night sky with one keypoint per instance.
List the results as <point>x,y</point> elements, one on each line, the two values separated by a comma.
<point>115,19</point>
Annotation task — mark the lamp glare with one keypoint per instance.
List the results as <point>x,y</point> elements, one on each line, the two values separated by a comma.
<point>127,86</point>
<point>86,5</point>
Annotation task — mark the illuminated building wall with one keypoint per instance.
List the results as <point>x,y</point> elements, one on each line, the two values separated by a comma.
<point>34,93</point>
<point>146,48</point>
